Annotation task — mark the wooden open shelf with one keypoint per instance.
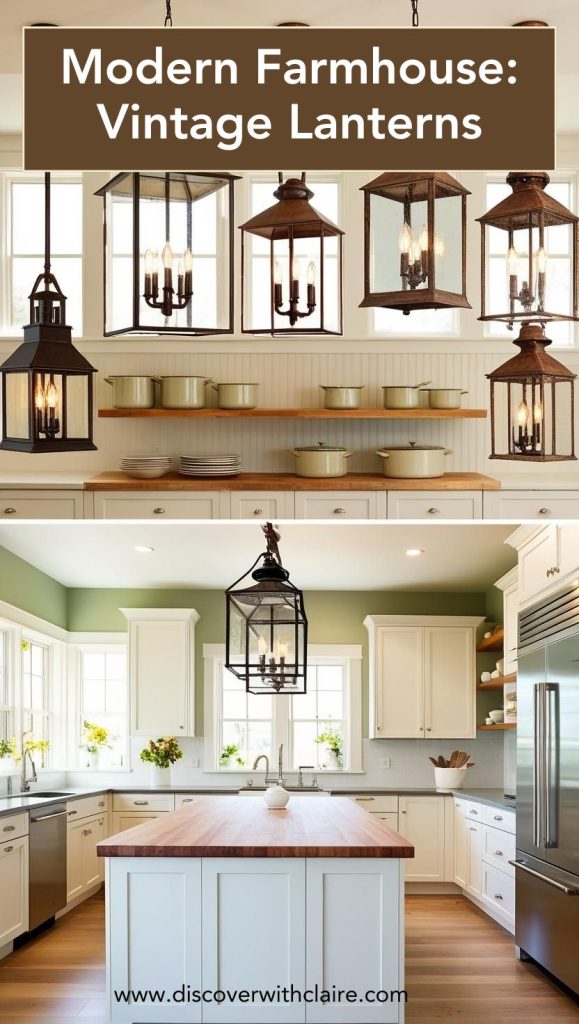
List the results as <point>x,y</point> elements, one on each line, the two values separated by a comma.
<point>296,414</point>
<point>494,644</point>
<point>501,727</point>
<point>498,683</point>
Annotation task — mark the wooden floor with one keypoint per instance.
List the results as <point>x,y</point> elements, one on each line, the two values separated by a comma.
<point>459,968</point>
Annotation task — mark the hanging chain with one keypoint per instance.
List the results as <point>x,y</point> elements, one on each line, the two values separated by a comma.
<point>169,14</point>
<point>415,21</point>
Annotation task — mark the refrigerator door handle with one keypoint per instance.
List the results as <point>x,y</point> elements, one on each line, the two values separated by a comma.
<point>521,866</point>
<point>551,711</point>
<point>538,765</point>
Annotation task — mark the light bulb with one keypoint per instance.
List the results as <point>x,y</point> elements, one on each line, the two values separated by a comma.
<point>405,239</point>
<point>513,261</point>
<point>423,238</point>
<point>150,258</point>
<point>311,272</point>
<point>262,646</point>
<point>522,414</point>
<point>541,260</point>
<point>282,650</point>
<point>167,256</point>
<point>39,396</point>
<point>538,412</point>
<point>439,246</point>
<point>179,268</point>
<point>277,272</point>
<point>52,396</point>
<point>416,252</point>
<point>188,261</point>
<point>295,269</point>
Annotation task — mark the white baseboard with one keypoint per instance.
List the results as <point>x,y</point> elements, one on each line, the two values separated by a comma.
<point>432,889</point>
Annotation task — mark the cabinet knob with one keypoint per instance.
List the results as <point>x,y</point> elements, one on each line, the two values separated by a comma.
<point>141,803</point>
<point>101,821</point>
<point>473,812</point>
<point>432,511</point>
<point>9,511</point>
<point>428,729</point>
<point>9,828</point>
<point>87,832</point>
<point>101,803</point>
<point>8,849</point>
<point>187,800</point>
<point>72,813</point>
<point>258,511</point>
<point>159,511</point>
<point>498,896</point>
<point>339,511</point>
<point>402,812</point>
<point>498,817</point>
<point>545,511</point>
<point>498,853</point>
<point>181,726</point>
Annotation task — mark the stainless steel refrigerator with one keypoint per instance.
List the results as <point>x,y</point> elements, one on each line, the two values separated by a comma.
<point>547,861</point>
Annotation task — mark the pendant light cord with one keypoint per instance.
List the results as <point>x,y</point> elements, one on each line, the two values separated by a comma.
<point>168,15</point>
<point>46,224</point>
<point>415,21</point>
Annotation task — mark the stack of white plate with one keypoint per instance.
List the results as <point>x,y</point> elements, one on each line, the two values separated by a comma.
<point>146,467</point>
<point>210,465</point>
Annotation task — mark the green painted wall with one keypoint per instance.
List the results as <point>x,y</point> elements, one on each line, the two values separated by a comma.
<point>31,590</point>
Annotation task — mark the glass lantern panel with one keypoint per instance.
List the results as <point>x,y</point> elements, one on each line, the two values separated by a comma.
<point>448,243</point>
<point>236,633</point>
<point>77,386</point>
<point>17,405</point>
<point>387,242</point>
<point>306,251</point>
<point>119,263</point>
<point>546,276</point>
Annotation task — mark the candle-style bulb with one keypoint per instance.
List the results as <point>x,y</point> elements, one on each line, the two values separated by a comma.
<point>52,396</point>
<point>150,258</point>
<point>405,238</point>
<point>295,269</point>
<point>439,246</point>
<point>522,414</point>
<point>277,272</point>
<point>416,252</point>
<point>167,256</point>
<point>541,260</point>
<point>39,396</point>
<point>423,239</point>
<point>188,260</point>
<point>512,261</point>
<point>179,268</point>
<point>538,412</point>
<point>282,650</point>
<point>311,275</point>
<point>262,646</point>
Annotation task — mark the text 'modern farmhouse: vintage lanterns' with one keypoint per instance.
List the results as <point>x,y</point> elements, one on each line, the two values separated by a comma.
<point>266,626</point>
<point>47,385</point>
<point>533,284</point>
<point>168,252</point>
<point>415,241</point>
<point>295,254</point>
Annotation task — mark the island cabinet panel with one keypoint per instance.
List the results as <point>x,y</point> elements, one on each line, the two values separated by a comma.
<point>355,935</point>
<point>154,937</point>
<point>241,949</point>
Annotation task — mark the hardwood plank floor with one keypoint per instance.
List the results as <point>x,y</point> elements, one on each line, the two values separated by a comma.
<point>460,966</point>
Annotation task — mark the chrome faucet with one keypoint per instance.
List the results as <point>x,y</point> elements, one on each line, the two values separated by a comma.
<point>24,781</point>
<point>300,776</point>
<point>280,778</point>
<point>268,778</point>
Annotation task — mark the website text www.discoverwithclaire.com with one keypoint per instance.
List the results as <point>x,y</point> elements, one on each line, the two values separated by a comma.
<point>279,995</point>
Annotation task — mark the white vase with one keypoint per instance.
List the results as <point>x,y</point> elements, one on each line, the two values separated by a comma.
<point>446,779</point>
<point>276,798</point>
<point>92,761</point>
<point>159,776</point>
<point>331,759</point>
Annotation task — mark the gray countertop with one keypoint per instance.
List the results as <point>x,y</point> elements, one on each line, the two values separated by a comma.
<point>494,797</point>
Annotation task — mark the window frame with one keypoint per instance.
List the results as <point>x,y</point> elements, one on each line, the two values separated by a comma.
<point>349,655</point>
<point>77,644</point>
<point>46,713</point>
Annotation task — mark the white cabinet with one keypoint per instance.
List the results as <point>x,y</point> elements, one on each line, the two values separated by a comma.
<point>84,869</point>
<point>509,584</point>
<point>122,820</point>
<point>41,504</point>
<point>473,857</point>
<point>541,505</point>
<point>161,505</point>
<point>421,821</point>
<point>422,676</point>
<point>13,889</point>
<point>481,857</point>
<point>435,505</point>
<point>548,558</point>
<point>162,670</point>
<point>468,846</point>
<point>340,505</point>
<point>262,505</point>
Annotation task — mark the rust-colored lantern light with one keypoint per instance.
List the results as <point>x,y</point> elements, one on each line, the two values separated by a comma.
<point>415,241</point>
<point>523,238</point>
<point>532,404</point>
<point>295,284</point>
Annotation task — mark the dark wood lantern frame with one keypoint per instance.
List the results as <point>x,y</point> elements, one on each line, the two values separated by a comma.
<point>529,208</point>
<point>47,360</point>
<point>290,219</point>
<point>406,188</point>
<point>168,186</point>
<point>255,607</point>
<point>536,377</point>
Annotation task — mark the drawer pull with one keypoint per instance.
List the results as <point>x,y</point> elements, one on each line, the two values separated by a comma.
<point>545,511</point>
<point>101,803</point>
<point>498,896</point>
<point>101,821</point>
<point>141,803</point>
<point>159,511</point>
<point>187,800</point>
<point>71,813</point>
<point>428,729</point>
<point>432,511</point>
<point>521,866</point>
<point>473,811</point>
<point>363,799</point>
<point>498,817</point>
<point>339,511</point>
<point>87,832</point>
<point>499,853</point>
<point>258,511</point>
<point>9,828</point>
<point>8,849</point>
<point>9,511</point>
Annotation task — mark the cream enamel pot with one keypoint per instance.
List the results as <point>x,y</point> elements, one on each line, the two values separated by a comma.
<point>413,461</point>
<point>132,392</point>
<point>183,392</point>
<point>236,396</point>
<point>403,397</point>
<point>338,397</point>
<point>445,398</point>
<point>321,460</point>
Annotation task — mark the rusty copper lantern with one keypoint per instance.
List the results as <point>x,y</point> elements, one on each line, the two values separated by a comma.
<point>295,254</point>
<point>415,241</point>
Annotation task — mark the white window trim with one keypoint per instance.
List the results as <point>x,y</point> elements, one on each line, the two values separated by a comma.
<point>350,655</point>
<point>80,642</point>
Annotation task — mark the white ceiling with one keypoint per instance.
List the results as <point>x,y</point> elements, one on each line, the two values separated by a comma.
<point>563,14</point>
<point>319,557</point>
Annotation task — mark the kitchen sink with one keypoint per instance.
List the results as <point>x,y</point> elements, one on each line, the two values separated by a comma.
<point>50,792</point>
<point>303,790</point>
<point>46,794</point>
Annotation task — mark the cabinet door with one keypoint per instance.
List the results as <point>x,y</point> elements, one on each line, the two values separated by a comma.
<point>262,504</point>
<point>460,859</point>
<point>122,820</point>
<point>93,831</point>
<point>14,889</point>
<point>74,861</point>
<point>536,559</point>
<point>161,661</point>
<point>435,505</point>
<point>568,538</point>
<point>41,504</point>
<point>449,687</point>
<point>474,858</point>
<point>421,821</point>
<point>161,505</point>
<point>399,682</point>
<point>336,505</point>
<point>511,623</point>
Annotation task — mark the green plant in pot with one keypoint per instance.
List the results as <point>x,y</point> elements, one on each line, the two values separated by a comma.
<point>160,754</point>
<point>94,739</point>
<point>230,757</point>
<point>8,751</point>
<point>333,755</point>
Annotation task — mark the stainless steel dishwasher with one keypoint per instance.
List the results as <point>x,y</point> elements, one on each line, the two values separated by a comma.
<point>47,878</point>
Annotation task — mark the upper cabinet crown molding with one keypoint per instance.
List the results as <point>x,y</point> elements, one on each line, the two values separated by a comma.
<point>509,579</point>
<point>160,614</point>
<point>423,620</point>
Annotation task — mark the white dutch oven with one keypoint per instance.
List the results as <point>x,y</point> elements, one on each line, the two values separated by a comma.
<point>403,397</point>
<point>132,392</point>
<point>236,396</point>
<point>321,460</point>
<point>342,397</point>
<point>183,392</point>
<point>413,461</point>
<point>445,398</point>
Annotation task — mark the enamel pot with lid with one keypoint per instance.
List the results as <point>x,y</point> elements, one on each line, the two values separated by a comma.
<point>321,460</point>
<point>445,398</point>
<point>236,396</point>
<point>403,397</point>
<point>132,392</point>
<point>342,397</point>
<point>413,461</point>
<point>183,392</point>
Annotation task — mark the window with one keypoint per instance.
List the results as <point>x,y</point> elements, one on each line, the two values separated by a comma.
<point>419,322</point>
<point>246,725</point>
<point>6,709</point>
<point>559,267</point>
<point>25,246</point>
<point>35,696</point>
<point>103,702</point>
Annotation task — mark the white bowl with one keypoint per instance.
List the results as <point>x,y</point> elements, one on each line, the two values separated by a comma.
<point>276,798</point>
<point>497,716</point>
<point>449,778</point>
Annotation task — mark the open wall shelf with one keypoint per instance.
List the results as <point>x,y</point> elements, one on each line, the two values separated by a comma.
<point>498,682</point>
<point>296,414</point>
<point>494,643</point>
<point>501,727</point>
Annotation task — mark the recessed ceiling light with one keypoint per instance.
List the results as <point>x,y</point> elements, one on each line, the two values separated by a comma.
<point>143,548</point>
<point>414,552</point>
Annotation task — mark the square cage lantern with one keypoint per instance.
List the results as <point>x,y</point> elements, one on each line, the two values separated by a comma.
<point>415,242</point>
<point>532,404</point>
<point>291,267</point>
<point>168,253</point>
<point>267,628</point>
<point>529,255</point>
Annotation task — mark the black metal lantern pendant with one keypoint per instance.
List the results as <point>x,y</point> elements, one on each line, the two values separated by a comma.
<point>47,385</point>
<point>267,628</point>
<point>415,241</point>
<point>295,285</point>
<point>168,241</point>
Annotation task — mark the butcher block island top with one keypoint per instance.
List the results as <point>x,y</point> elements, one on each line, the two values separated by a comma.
<point>117,481</point>
<point>232,827</point>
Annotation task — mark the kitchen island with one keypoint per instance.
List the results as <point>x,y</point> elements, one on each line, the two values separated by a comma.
<point>228,897</point>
